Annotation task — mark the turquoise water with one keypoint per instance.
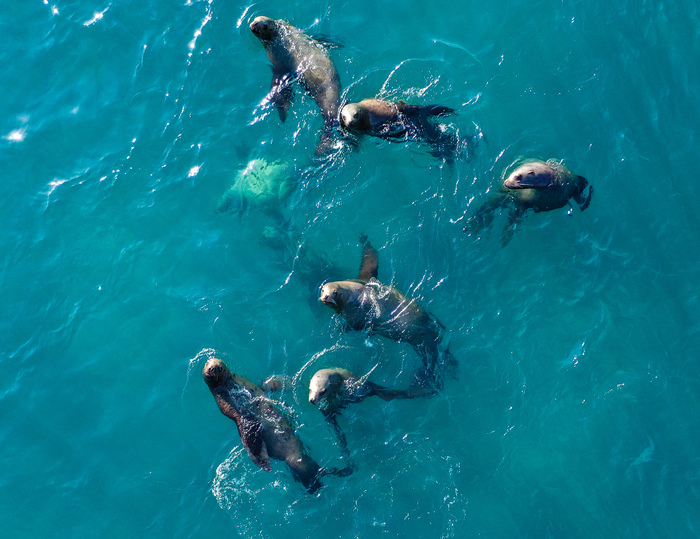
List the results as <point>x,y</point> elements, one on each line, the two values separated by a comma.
<point>576,409</point>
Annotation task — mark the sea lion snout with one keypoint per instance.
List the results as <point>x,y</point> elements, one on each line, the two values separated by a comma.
<point>325,383</point>
<point>349,115</point>
<point>328,296</point>
<point>262,26</point>
<point>317,387</point>
<point>214,372</point>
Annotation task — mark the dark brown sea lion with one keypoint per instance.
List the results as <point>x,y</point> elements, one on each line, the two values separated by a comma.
<point>296,56</point>
<point>534,185</point>
<point>264,431</point>
<point>368,305</point>
<point>400,121</point>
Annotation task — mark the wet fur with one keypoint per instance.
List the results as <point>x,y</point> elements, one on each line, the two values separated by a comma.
<point>265,432</point>
<point>399,121</point>
<point>297,57</point>
<point>335,389</point>
<point>534,185</point>
<point>368,305</point>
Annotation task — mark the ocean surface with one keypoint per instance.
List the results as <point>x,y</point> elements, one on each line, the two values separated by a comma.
<point>127,262</point>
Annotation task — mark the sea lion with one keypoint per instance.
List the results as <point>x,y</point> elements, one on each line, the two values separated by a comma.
<point>399,120</point>
<point>333,389</point>
<point>536,185</point>
<point>295,55</point>
<point>264,431</point>
<point>336,388</point>
<point>368,305</point>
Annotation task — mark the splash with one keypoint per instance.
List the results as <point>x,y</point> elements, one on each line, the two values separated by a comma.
<point>97,16</point>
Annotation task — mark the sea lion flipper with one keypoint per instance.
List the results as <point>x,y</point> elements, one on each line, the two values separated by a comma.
<point>333,422</point>
<point>250,431</point>
<point>514,217</point>
<point>582,201</point>
<point>274,383</point>
<point>483,216</point>
<point>437,110</point>
<point>281,92</point>
<point>387,394</point>
<point>370,262</point>
<point>424,110</point>
<point>327,140</point>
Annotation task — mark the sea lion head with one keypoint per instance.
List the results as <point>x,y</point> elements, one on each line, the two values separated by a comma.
<point>324,385</point>
<point>215,372</point>
<point>353,116</point>
<point>532,175</point>
<point>263,27</point>
<point>336,295</point>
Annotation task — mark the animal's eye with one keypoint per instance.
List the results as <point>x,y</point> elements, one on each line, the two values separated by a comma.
<point>531,173</point>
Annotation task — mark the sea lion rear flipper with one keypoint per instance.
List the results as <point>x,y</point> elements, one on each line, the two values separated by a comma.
<point>483,216</point>
<point>424,110</point>
<point>327,140</point>
<point>385,393</point>
<point>582,201</point>
<point>370,262</point>
<point>437,110</point>
<point>251,437</point>
<point>305,470</point>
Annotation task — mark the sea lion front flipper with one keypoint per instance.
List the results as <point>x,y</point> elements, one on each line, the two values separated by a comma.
<point>370,262</point>
<point>514,217</point>
<point>333,422</point>
<point>582,201</point>
<point>251,436</point>
<point>281,92</point>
